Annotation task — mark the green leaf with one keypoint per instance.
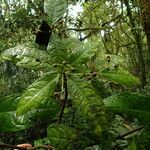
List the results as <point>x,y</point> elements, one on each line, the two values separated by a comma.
<point>8,118</point>
<point>61,137</point>
<point>9,121</point>
<point>31,63</point>
<point>131,104</point>
<point>38,93</point>
<point>42,141</point>
<point>121,77</point>
<point>73,52</point>
<point>55,9</point>
<point>25,51</point>
<point>45,112</point>
<point>61,49</point>
<point>58,50</point>
<point>88,103</point>
<point>144,138</point>
<point>81,55</point>
<point>28,57</point>
<point>132,145</point>
<point>99,88</point>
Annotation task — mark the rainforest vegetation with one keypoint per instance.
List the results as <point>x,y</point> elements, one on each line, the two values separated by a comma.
<point>74,74</point>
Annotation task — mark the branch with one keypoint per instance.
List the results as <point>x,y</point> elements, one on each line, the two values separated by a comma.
<point>111,20</point>
<point>94,30</point>
<point>65,98</point>
<point>97,29</point>
<point>11,146</point>
<point>90,34</point>
<point>82,39</point>
<point>84,29</point>
<point>8,146</point>
<point>128,133</point>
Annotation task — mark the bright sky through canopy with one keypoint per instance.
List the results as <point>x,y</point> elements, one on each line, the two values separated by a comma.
<point>74,10</point>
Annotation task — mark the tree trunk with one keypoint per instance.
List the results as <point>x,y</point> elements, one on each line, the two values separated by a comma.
<point>145,16</point>
<point>138,39</point>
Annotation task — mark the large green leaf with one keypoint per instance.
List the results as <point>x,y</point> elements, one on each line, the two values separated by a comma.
<point>82,54</point>
<point>70,52</point>
<point>38,93</point>
<point>26,51</point>
<point>8,119</point>
<point>45,112</point>
<point>59,50</point>
<point>55,9</point>
<point>121,77</point>
<point>131,104</point>
<point>88,103</point>
<point>61,137</point>
<point>28,57</point>
<point>132,144</point>
<point>99,88</point>
<point>35,64</point>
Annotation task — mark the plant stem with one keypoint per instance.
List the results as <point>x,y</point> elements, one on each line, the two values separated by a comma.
<point>65,98</point>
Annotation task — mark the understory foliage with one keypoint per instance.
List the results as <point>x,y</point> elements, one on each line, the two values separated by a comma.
<point>82,97</point>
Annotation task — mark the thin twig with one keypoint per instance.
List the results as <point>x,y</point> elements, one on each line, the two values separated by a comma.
<point>84,29</point>
<point>128,133</point>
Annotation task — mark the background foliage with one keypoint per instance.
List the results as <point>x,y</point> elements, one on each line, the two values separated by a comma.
<point>90,88</point>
